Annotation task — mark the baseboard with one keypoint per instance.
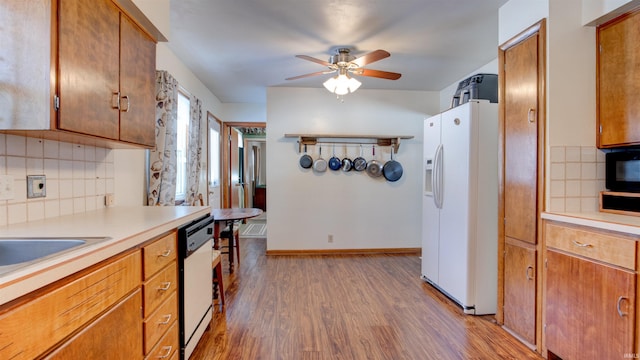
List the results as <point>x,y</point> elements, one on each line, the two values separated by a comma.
<point>406,251</point>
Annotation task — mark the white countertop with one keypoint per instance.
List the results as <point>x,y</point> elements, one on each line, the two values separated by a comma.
<point>126,227</point>
<point>601,220</point>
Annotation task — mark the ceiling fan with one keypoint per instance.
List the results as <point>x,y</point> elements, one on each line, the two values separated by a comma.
<point>344,63</point>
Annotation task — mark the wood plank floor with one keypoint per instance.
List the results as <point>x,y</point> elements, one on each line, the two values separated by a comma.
<point>344,307</point>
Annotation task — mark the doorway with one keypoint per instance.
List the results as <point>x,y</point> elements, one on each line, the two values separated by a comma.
<point>243,164</point>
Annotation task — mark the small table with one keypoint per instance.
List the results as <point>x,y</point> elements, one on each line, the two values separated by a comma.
<point>229,216</point>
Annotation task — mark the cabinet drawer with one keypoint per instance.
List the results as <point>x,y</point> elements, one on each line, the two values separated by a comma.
<point>607,248</point>
<point>158,254</point>
<point>158,322</point>
<point>159,288</point>
<point>54,315</point>
<point>167,346</point>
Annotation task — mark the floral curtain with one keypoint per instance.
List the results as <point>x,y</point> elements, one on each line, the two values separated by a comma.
<point>195,153</point>
<point>162,160</point>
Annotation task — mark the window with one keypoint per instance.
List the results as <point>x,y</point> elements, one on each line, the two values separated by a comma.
<point>182,144</point>
<point>214,157</point>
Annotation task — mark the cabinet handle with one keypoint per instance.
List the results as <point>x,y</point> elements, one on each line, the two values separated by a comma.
<point>167,352</point>
<point>165,253</point>
<point>579,244</point>
<point>531,115</point>
<point>622,314</point>
<point>165,286</point>
<point>115,100</point>
<point>166,321</point>
<point>126,97</point>
<point>529,269</point>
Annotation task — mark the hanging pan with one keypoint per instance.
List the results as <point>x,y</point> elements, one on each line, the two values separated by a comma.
<point>305,160</point>
<point>359,163</point>
<point>320,165</point>
<point>347,164</point>
<point>374,168</point>
<point>392,169</point>
<point>335,163</point>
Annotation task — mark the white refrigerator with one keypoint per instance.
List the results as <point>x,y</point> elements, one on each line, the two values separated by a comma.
<point>460,205</point>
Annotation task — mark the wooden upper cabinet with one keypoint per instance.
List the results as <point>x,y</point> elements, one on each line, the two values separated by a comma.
<point>88,79</point>
<point>618,82</point>
<point>137,84</point>
<point>80,71</point>
<point>107,73</point>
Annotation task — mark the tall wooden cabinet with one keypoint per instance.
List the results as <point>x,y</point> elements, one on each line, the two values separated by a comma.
<point>618,81</point>
<point>522,106</point>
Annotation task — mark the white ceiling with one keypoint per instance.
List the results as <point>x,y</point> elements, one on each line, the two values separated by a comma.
<point>238,48</point>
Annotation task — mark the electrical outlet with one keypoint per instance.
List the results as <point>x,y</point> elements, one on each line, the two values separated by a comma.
<point>36,186</point>
<point>109,200</point>
<point>330,239</point>
<point>6,187</point>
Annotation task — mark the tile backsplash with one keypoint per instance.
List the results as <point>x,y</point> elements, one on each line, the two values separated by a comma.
<point>77,177</point>
<point>577,177</point>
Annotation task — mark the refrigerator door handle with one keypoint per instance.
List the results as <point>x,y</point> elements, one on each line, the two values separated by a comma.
<point>437,174</point>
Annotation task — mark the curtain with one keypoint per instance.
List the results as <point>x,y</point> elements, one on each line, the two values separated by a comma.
<point>195,153</point>
<point>162,160</point>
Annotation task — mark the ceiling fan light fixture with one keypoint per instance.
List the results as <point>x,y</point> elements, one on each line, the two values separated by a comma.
<point>342,84</point>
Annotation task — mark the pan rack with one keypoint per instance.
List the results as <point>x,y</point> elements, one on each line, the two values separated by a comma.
<point>380,140</point>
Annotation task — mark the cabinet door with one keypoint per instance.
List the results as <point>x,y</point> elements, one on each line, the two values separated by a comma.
<point>137,84</point>
<point>521,140</point>
<point>520,290</point>
<point>88,80</point>
<point>590,308</point>
<point>619,82</point>
<point>115,335</point>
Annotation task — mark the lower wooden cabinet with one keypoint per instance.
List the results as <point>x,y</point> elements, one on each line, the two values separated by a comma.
<point>590,293</point>
<point>520,289</point>
<point>115,335</point>
<point>590,308</point>
<point>59,311</point>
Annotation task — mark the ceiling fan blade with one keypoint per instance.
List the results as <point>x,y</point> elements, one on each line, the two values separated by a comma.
<point>318,61</point>
<point>311,74</point>
<point>378,73</point>
<point>371,57</point>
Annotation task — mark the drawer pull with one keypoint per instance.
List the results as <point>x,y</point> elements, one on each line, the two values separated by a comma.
<point>165,253</point>
<point>579,244</point>
<point>622,314</point>
<point>167,352</point>
<point>165,286</point>
<point>166,321</point>
<point>528,272</point>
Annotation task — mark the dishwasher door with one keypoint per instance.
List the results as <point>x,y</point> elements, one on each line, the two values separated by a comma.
<point>196,306</point>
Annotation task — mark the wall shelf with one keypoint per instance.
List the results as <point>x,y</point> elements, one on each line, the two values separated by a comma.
<point>380,140</point>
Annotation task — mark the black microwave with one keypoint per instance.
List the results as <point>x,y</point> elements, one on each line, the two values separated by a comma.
<point>623,171</point>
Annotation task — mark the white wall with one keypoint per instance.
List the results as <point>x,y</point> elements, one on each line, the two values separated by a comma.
<point>600,11</point>
<point>447,93</point>
<point>360,212</point>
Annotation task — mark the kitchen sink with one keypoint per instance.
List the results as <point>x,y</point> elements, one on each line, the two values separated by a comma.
<point>19,252</point>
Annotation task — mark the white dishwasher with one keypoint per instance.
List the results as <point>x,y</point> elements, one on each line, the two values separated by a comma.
<point>196,292</point>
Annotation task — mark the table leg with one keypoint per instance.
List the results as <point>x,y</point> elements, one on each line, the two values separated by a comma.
<point>231,245</point>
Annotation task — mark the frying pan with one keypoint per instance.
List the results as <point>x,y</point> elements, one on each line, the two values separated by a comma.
<point>320,165</point>
<point>335,163</point>
<point>306,161</point>
<point>374,168</point>
<point>359,163</point>
<point>392,169</point>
